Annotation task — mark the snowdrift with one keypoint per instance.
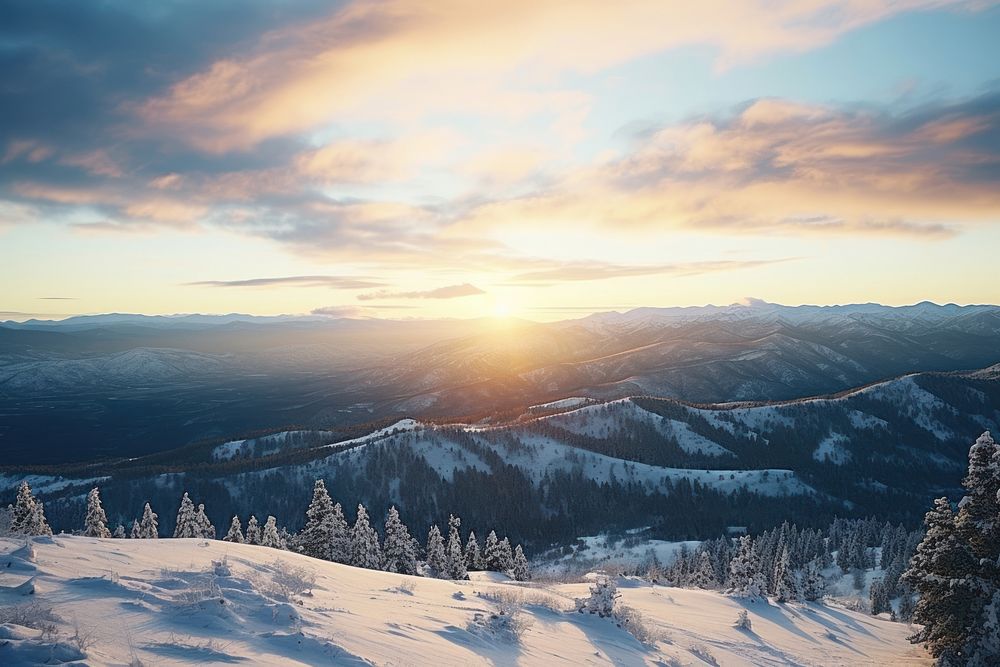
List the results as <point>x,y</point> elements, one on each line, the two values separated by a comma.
<point>189,601</point>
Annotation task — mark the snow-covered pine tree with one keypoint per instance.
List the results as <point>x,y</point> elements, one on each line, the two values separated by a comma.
<point>235,533</point>
<point>937,574</point>
<point>28,514</point>
<point>95,523</point>
<point>269,536</point>
<point>522,572</point>
<point>119,533</point>
<point>252,536</point>
<point>813,584</point>
<point>491,553</point>
<point>603,596</point>
<point>786,588</point>
<point>745,579</point>
<point>437,560</point>
<point>22,508</point>
<point>317,536</point>
<point>506,556</point>
<point>135,534</point>
<point>148,527</point>
<point>703,575</point>
<point>398,551</point>
<point>205,528</point>
<point>878,598</point>
<point>340,542</point>
<point>977,523</point>
<point>473,558</point>
<point>456,558</point>
<point>365,549</point>
<point>187,522</point>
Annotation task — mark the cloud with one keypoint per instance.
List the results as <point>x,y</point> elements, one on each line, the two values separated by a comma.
<point>576,271</point>
<point>336,282</point>
<point>341,311</point>
<point>58,298</point>
<point>779,166</point>
<point>448,292</point>
<point>456,56</point>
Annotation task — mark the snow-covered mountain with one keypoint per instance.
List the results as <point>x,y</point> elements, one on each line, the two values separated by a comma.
<point>573,468</point>
<point>201,377</point>
<point>189,601</point>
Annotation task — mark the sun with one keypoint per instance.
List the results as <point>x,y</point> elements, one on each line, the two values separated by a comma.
<point>501,309</point>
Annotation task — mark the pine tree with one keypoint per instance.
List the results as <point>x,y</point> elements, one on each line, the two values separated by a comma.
<point>491,553</point>
<point>340,542</point>
<point>703,575</point>
<point>745,580</point>
<point>119,533</point>
<point>398,552</point>
<point>436,557</point>
<point>28,514</point>
<point>878,598</point>
<point>22,509</point>
<point>473,559</point>
<point>506,556</point>
<point>204,527</point>
<point>936,574</point>
<point>135,534</point>
<point>814,586</point>
<point>252,536</point>
<point>317,536</point>
<point>148,528</point>
<point>521,570</point>
<point>365,549</point>
<point>95,523</point>
<point>269,536</point>
<point>187,522</point>
<point>455,566</point>
<point>785,586</point>
<point>235,533</point>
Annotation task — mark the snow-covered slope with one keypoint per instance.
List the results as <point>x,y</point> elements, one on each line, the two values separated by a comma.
<point>171,602</point>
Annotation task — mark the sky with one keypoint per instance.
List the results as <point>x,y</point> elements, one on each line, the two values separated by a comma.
<point>539,159</point>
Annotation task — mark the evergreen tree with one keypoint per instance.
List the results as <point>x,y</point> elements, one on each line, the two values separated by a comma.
<point>814,586</point>
<point>317,536</point>
<point>269,536</point>
<point>148,528</point>
<point>135,534</point>
<point>456,558</point>
<point>95,523</point>
<point>491,553</point>
<point>785,586</point>
<point>473,558</point>
<point>204,527</point>
<point>119,533</point>
<point>252,536</point>
<point>340,542</point>
<point>703,575</point>
<point>521,570</point>
<point>28,514</point>
<point>745,580</point>
<point>187,522</point>
<point>399,553</point>
<point>878,598</point>
<point>935,573</point>
<point>235,533</point>
<point>506,556</point>
<point>437,560</point>
<point>365,549</point>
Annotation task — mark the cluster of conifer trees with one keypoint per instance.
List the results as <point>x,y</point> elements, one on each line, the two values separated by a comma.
<point>326,535</point>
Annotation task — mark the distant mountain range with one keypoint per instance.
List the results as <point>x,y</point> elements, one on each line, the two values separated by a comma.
<point>125,385</point>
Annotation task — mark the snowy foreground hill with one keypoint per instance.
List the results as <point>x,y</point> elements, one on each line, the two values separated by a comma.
<point>188,601</point>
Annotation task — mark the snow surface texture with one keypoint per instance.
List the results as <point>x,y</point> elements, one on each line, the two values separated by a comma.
<point>175,602</point>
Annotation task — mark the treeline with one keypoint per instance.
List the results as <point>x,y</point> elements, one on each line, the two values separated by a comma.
<point>326,535</point>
